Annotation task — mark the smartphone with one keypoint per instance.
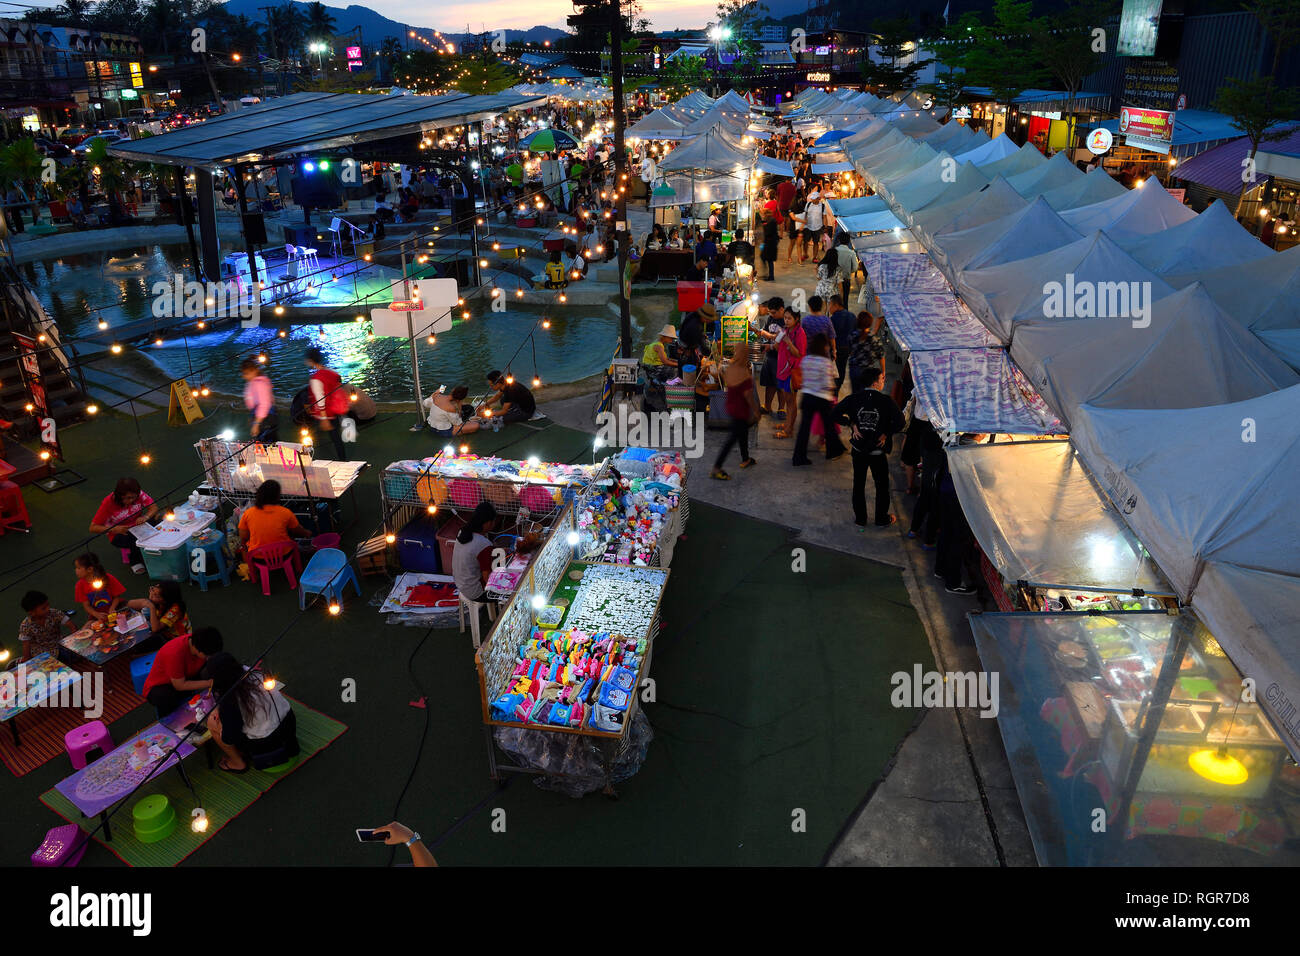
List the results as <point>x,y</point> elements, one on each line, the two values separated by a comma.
<point>372,836</point>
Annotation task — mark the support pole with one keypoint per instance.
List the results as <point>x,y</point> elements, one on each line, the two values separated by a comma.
<point>620,178</point>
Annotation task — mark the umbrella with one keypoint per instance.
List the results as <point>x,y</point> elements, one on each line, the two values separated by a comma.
<point>833,136</point>
<point>548,141</point>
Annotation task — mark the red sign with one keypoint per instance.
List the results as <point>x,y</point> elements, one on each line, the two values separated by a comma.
<point>399,305</point>
<point>29,362</point>
<point>1147,124</point>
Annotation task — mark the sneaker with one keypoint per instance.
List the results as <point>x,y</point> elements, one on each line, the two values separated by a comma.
<point>749,463</point>
<point>720,475</point>
<point>138,568</point>
<point>961,589</point>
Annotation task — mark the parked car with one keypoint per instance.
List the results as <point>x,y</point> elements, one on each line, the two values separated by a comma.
<point>49,147</point>
<point>74,135</point>
<point>110,139</point>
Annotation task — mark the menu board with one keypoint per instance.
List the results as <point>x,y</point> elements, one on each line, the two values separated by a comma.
<point>735,331</point>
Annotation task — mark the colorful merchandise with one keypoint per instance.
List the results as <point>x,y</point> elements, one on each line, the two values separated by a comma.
<point>623,523</point>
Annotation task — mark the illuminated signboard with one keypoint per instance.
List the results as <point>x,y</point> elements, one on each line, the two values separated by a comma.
<point>399,305</point>
<point>137,76</point>
<point>354,53</point>
<point>1139,23</point>
<point>1143,127</point>
<point>819,77</point>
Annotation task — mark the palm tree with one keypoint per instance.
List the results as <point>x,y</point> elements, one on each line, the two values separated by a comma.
<point>76,12</point>
<point>320,22</point>
<point>21,163</point>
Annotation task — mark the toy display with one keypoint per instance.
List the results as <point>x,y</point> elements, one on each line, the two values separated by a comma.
<point>571,678</point>
<point>616,598</point>
<point>623,522</point>
<point>504,469</point>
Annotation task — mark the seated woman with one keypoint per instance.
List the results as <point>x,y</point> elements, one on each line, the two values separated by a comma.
<point>655,355</point>
<point>126,508</point>
<point>383,211</point>
<point>466,568</point>
<point>268,521</point>
<point>165,608</point>
<point>410,205</point>
<point>250,723</point>
<point>445,413</point>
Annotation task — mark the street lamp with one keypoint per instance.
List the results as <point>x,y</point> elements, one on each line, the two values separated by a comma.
<point>318,49</point>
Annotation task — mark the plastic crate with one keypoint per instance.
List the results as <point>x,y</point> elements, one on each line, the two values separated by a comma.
<point>168,564</point>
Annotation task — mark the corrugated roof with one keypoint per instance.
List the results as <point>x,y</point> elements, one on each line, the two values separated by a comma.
<point>313,121</point>
<point>1220,168</point>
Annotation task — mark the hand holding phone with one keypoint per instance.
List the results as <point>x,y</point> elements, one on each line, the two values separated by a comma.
<point>372,836</point>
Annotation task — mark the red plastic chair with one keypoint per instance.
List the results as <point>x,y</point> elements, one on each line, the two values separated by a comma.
<point>281,556</point>
<point>13,510</point>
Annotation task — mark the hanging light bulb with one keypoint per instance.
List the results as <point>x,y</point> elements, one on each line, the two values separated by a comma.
<point>335,608</point>
<point>199,820</point>
<point>464,449</point>
<point>537,381</point>
<point>1219,766</point>
<point>390,538</point>
<point>268,683</point>
<point>145,458</point>
<point>432,509</point>
<point>102,325</point>
<point>116,349</point>
<point>546,323</point>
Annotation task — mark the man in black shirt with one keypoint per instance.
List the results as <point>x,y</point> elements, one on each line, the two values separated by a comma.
<point>740,249</point>
<point>517,402</point>
<point>872,418</point>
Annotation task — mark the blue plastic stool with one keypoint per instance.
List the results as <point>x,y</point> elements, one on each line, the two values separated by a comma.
<point>212,543</point>
<point>326,574</point>
<point>140,668</point>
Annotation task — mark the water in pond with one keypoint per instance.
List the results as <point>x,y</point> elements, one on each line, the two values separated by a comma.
<point>79,290</point>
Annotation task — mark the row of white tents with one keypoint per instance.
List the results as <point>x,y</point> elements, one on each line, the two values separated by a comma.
<point>1166,344</point>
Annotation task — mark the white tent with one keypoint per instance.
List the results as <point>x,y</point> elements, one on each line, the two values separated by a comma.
<point>1263,295</point>
<point>958,198</point>
<point>1139,212</point>
<point>713,151</point>
<point>1190,355</point>
<point>1056,172</point>
<point>916,192</point>
<point>898,164</point>
<point>1211,240</point>
<point>998,200</point>
<point>1039,518</point>
<point>952,138</point>
<point>1092,188</point>
<point>1211,493</point>
<point>1027,232</point>
<point>1094,267</point>
<point>990,152</point>
<point>652,125</point>
<point>1022,160</point>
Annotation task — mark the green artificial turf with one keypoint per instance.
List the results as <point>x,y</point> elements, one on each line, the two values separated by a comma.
<point>771,688</point>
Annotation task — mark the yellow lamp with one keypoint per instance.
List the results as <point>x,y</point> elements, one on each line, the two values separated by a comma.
<point>1218,766</point>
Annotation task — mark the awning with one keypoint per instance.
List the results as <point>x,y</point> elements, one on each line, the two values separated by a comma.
<point>894,272</point>
<point>868,222</point>
<point>979,390</point>
<point>926,321</point>
<point>1040,519</point>
<point>773,166</point>
<point>842,166</point>
<point>306,122</point>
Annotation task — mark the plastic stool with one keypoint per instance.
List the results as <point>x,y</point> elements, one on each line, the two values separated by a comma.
<point>63,846</point>
<point>82,740</point>
<point>13,510</point>
<point>140,668</point>
<point>212,544</point>
<point>474,624</point>
<point>154,818</point>
<point>126,555</point>
<point>330,539</point>
<point>283,767</point>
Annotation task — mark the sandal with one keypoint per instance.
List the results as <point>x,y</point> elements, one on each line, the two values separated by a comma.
<point>720,475</point>
<point>223,765</point>
<point>748,463</point>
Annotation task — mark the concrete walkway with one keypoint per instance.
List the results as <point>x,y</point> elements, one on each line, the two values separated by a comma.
<point>949,799</point>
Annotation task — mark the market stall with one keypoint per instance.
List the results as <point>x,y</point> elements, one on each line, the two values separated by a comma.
<point>1140,718</point>
<point>979,390</point>
<point>562,671</point>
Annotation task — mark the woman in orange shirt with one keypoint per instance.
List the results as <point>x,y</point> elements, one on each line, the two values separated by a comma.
<point>268,521</point>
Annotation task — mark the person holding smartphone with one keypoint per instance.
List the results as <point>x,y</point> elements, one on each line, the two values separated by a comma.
<point>396,833</point>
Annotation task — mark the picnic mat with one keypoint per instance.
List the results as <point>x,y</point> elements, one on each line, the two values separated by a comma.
<point>41,729</point>
<point>223,795</point>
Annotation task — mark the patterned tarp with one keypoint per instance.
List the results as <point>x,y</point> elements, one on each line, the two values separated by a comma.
<point>979,390</point>
<point>926,321</point>
<point>895,271</point>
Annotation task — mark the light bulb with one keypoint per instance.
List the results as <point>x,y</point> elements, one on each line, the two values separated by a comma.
<point>464,449</point>
<point>92,409</point>
<point>145,459</point>
<point>198,820</point>
<point>97,584</point>
<point>390,538</point>
<point>268,683</point>
<point>335,609</point>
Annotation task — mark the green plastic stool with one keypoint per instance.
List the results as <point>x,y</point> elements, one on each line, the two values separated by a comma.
<point>282,767</point>
<point>154,818</point>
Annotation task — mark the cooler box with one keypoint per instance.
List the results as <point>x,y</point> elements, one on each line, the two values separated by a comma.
<point>170,563</point>
<point>691,295</point>
<point>447,539</point>
<point>417,545</point>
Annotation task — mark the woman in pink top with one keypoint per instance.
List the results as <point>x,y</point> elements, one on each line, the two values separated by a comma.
<point>790,349</point>
<point>264,420</point>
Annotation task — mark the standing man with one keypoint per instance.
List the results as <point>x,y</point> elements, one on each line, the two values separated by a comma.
<point>873,419</point>
<point>815,322</point>
<point>845,324</point>
<point>848,268</point>
<point>330,400</point>
<point>785,196</point>
<point>814,222</point>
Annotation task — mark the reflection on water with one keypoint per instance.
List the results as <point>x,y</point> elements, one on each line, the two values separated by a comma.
<point>79,290</point>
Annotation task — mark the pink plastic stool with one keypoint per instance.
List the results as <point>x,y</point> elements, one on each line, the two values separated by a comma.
<point>63,846</point>
<point>86,738</point>
<point>328,539</point>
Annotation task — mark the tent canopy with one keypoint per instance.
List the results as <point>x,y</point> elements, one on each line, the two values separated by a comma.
<point>1210,240</point>
<point>979,390</point>
<point>1040,519</point>
<point>1030,231</point>
<point>1138,212</point>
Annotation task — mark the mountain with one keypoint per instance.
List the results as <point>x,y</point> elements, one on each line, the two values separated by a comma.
<point>375,26</point>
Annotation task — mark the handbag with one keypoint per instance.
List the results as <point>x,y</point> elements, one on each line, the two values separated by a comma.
<point>796,376</point>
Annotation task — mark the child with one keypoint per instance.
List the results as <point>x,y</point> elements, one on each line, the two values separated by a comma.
<point>41,629</point>
<point>166,609</point>
<point>97,591</point>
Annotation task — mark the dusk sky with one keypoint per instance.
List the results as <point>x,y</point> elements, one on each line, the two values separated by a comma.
<point>514,15</point>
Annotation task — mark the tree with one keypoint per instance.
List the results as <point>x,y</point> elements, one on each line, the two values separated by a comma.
<point>320,22</point>
<point>683,74</point>
<point>899,57</point>
<point>76,13</point>
<point>1281,18</point>
<point>21,163</point>
<point>952,48</point>
<point>1065,45</point>
<point>1002,55</point>
<point>1256,107</point>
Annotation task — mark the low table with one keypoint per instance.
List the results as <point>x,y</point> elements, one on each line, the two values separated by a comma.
<point>56,677</point>
<point>96,788</point>
<point>82,643</point>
